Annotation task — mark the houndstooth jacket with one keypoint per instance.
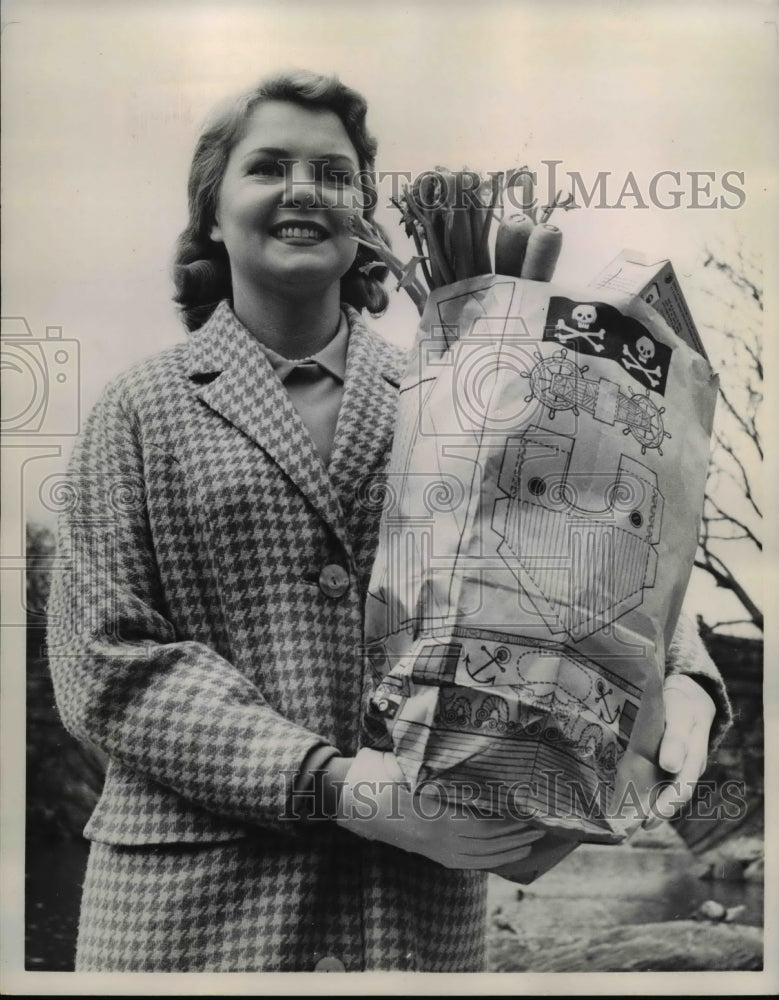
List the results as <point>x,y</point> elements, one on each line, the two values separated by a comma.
<point>191,641</point>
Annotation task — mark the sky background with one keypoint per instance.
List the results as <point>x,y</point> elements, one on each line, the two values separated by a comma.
<point>103,101</point>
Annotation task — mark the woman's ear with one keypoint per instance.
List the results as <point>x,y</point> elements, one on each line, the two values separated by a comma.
<point>216,233</point>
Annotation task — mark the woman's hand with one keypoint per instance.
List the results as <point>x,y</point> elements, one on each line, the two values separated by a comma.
<point>376,803</point>
<point>689,713</point>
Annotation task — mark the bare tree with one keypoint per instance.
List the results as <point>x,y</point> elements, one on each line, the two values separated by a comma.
<point>732,517</point>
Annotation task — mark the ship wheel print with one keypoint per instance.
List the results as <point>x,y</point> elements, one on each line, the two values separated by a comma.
<point>560,384</point>
<point>553,382</point>
<point>644,421</point>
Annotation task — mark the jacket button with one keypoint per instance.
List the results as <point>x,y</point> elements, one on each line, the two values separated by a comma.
<point>334,580</point>
<point>330,964</point>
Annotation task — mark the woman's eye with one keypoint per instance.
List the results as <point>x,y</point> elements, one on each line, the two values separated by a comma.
<point>267,168</point>
<point>321,171</point>
<point>338,176</point>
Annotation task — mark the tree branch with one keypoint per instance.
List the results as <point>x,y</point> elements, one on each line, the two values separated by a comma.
<point>744,482</point>
<point>731,519</point>
<point>735,290</point>
<point>725,579</point>
<point>739,280</point>
<point>756,356</point>
<point>751,433</point>
<point>734,621</point>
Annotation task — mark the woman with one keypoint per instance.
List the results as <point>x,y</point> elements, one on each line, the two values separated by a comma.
<point>207,631</point>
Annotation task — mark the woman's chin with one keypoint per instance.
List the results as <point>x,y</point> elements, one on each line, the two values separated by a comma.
<point>304,270</point>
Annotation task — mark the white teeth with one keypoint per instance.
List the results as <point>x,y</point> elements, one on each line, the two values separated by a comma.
<point>299,232</point>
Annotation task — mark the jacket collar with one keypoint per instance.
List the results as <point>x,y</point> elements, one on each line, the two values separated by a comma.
<point>233,376</point>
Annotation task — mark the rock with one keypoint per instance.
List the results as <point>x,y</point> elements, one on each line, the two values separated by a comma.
<point>754,872</point>
<point>673,946</point>
<point>745,849</point>
<point>731,860</point>
<point>500,923</point>
<point>723,869</point>
<point>710,909</point>
<point>733,913</point>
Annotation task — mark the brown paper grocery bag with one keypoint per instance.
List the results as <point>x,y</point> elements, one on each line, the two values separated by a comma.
<point>539,524</point>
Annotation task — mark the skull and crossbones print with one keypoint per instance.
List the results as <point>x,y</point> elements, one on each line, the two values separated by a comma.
<point>645,350</point>
<point>584,316</point>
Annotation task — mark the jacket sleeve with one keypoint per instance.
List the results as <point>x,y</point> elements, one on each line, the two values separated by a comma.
<point>688,655</point>
<point>171,709</point>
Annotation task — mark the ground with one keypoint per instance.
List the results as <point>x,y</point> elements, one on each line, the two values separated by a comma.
<point>636,907</point>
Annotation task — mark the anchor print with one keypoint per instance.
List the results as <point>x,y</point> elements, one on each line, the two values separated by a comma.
<point>607,716</point>
<point>499,659</point>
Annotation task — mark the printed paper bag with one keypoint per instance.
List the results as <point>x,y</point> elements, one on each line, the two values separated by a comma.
<point>539,524</point>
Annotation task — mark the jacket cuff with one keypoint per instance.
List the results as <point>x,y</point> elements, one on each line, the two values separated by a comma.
<point>308,799</point>
<point>687,655</point>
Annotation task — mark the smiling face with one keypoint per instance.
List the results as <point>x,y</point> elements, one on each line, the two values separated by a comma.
<point>283,204</point>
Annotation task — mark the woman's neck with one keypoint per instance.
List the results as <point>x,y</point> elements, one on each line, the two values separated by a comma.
<point>293,328</point>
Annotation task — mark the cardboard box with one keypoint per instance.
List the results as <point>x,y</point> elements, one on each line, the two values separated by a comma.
<point>657,284</point>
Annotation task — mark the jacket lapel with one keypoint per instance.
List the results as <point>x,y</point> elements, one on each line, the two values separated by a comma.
<point>234,378</point>
<point>366,421</point>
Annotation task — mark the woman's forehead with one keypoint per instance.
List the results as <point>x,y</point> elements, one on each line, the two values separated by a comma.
<point>285,126</point>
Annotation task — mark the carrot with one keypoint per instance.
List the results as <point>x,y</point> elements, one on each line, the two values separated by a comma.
<point>543,249</point>
<point>511,243</point>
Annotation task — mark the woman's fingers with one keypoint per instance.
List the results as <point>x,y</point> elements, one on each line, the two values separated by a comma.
<point>679,719</point>
<point>689,712</point>
<point>673,752</point>
<point>392,770</point>
<point>490,861</point>
<point>519,835</point>
<point>681,788</point>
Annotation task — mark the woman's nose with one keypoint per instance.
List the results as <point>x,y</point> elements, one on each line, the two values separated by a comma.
<point>303,188</point>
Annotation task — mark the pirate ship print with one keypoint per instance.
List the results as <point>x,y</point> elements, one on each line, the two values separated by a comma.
<point>584,559</point>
